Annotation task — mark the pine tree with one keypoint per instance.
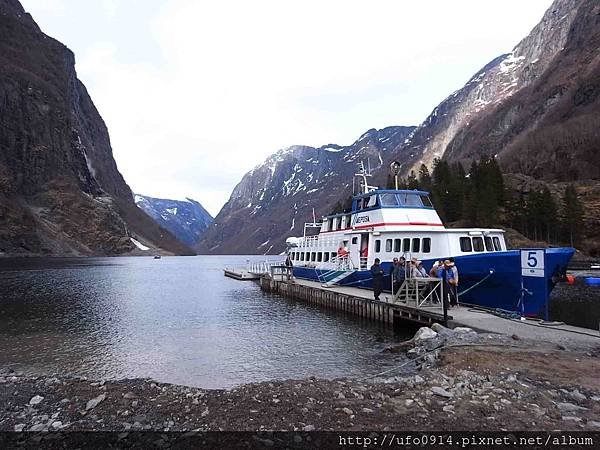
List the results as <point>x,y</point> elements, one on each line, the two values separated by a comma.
<point>572,216</point>
<point>547,215</point>
<point>412,181</point>
<point>425,182</point>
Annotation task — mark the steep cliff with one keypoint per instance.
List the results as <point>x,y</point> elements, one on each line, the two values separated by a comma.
<point>60,189</point>
<point>187,220</point>
<point>494,85</point>
<point>550,129</point>
<point>276,198</point>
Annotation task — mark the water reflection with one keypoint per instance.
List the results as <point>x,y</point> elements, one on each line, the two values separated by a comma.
<point>176,320</point>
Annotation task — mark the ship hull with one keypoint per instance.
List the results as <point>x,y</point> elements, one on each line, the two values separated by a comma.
<point>492,280</point>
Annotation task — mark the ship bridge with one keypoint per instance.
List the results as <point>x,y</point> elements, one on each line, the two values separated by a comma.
<point>387,210</point>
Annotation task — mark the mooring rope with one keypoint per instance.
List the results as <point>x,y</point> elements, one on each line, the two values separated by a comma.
<point>492,271</point>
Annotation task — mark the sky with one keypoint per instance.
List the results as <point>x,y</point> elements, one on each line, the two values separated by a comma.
<point>197,93</point>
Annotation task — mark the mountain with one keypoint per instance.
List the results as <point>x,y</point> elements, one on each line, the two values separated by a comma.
<point>276,198</point>
<point>503,89</point>
<point>186,220</point>
<point>550,128</point>
<point>60,190</point>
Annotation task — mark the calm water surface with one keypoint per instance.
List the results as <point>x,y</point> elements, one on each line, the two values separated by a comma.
<point>176,320</point>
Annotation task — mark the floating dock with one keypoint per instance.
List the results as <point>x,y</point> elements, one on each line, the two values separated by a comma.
<point>241,274</point>
<point>354,301</point>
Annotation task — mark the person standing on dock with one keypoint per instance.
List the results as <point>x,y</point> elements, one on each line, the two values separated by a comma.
<point>453,283</point>
<point>398,273</point>
<point>377,274</point>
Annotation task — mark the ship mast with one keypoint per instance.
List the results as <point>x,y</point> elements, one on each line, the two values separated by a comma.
<point>363,174</point>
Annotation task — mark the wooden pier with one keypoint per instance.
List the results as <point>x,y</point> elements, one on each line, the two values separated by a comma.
<point>355,301</point>
<point>241,274</point>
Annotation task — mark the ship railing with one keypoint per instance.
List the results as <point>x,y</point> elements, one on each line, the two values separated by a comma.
<point>260,267</point>
<point>342,263</point>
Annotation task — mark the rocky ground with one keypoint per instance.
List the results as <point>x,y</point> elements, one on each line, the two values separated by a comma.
<point>464,381</point>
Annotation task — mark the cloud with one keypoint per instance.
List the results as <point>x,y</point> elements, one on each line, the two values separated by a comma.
<point>197,93</point>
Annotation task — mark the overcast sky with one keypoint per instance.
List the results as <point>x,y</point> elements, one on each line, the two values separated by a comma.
<point>196,93</point>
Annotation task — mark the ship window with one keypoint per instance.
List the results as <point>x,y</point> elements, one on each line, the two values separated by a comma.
<point>377,246</point>
<point>388,200</point>
<point>355,240</point>
<point>465,245</point>
<point>313,256</point>
<point>397,244</point>
<point>426,201</point>
<point>416,245</point>
<point>372,201</point>
<point>302,256</point>
<point>333,255</point>
<point>407,199</point>
<point>320,257</point>
<point>426,245</point>
<point>497,245</point>
<point>406,245</point>
<point>478,244</point>
<point>489,246</point>
<point>388,245</point>
<point>348,221</point>
<point>326,256</point>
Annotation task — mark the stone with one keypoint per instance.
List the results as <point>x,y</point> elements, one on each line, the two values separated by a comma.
<point>441,392</point>
<point>591,423</point>
<point>418,379</point>
<point>91,404</point>
<point>308,428</point>
<point>56,424</point>
<point>204,413</point>
<point>463,330</point>
<point>570,407</point>
<point>36,400</point>
<point>129,395</point>
<point>571,419</point>
<point>38,427</point>
<point>348,411</point>
<point>577,396</point>
<point>424,333</point>
<point>409,401</point>
<point>19,427</point>
<point>448,408</point>
<point>367,410</point>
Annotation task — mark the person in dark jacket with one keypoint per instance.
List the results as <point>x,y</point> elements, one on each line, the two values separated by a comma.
<point>377,275</point>
<point>398,272</point>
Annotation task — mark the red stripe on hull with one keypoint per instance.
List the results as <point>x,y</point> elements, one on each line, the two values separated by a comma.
<point>374,225</point>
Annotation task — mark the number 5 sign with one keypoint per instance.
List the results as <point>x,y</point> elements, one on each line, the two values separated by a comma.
<point>532,262</point>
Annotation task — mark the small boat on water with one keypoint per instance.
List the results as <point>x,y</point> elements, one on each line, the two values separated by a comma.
<point>386,223</point>
<point>157,256</point>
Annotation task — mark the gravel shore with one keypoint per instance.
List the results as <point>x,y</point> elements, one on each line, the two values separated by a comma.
<point>465,380</point>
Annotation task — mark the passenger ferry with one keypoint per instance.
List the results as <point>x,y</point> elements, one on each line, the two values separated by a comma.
<point>387,223</point>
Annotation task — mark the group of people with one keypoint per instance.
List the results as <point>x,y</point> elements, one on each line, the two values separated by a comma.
<point>446,270</point>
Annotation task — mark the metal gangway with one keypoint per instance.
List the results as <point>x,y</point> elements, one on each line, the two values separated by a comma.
<point>421,292</point>
<point>274,270</point>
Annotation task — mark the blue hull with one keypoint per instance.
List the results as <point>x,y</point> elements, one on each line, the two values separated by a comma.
<point>492,280</point>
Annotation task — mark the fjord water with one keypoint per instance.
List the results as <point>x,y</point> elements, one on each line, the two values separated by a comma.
<point>176,320</point>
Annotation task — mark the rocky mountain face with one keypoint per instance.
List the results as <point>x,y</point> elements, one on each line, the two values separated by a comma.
<point>185,219</point>
<point>536,109</point>
<point>276,198</point>
<point>550,129</point>
<point>60,190</point>
<point>500,83</point>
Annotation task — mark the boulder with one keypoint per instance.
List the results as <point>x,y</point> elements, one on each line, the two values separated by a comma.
<point>423,334</point>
